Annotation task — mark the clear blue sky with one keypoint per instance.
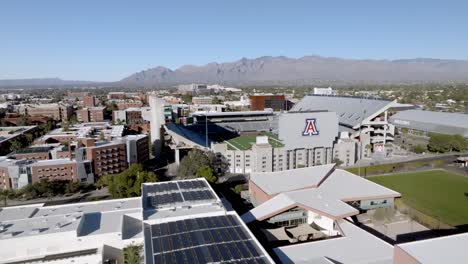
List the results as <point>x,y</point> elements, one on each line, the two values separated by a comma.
<point>107,40</point>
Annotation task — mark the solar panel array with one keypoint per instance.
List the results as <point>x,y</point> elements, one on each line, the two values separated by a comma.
<point>198,195</point>
<point>217,239</point>
<point>162,195</point>
<point>195,184</point>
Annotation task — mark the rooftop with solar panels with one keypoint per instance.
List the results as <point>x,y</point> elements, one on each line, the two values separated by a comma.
<point>186,222</point>
<point>178,198</point>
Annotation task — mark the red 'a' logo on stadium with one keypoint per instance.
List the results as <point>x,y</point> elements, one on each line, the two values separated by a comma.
<point>311,127</point>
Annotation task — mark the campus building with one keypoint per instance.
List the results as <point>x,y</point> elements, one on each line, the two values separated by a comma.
<point>176,222</point>
<point>106,157</point>
<point>261,102</point>
<point>313,206</point>
<point>419,122</point>
<point>89,101</point>
<point>17,173</point>
<point>57,111</point>
<point>91,114</point>
<point>364,119</point>
<point>202,100</point>
<point>303,140</point>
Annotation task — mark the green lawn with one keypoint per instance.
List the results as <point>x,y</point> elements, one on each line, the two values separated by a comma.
<point>246,142</point>
<point>437,193</point>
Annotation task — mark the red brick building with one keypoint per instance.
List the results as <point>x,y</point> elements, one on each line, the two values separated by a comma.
<point>35,153</point>
<point>5,183</point>
<point>89,101</point>
<point>260,102</point>
<point>137,148</point>
<point>108,158</point>
<point>91,114</point>
<point>129,104</point>
<point>59,169</point>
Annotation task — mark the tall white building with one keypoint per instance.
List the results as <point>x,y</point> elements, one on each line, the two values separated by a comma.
<point>157,121</point>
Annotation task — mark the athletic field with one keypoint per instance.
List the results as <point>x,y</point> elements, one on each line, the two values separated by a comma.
<point>246,142</point>
<point>438,193</point>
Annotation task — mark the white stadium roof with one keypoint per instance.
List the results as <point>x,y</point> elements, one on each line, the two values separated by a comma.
<point>350,110</point>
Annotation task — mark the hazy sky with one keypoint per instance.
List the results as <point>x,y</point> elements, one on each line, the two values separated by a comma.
<point>107,40</point>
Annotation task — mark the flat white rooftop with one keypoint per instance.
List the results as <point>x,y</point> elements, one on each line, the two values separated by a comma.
<point>356,246</point>
<point>449,249</point>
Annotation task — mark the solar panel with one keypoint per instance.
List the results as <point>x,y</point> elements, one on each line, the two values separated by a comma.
<point>202,240</point>
<point>198,195</point>
<point>164,199</point>
<point>195,184</point>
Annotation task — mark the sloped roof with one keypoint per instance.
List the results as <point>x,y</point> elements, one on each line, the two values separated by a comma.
<point>290,180</point>
<point>350,110</point>
<point>347,186</point>
<point>309,199</point>
<point>327,199</point>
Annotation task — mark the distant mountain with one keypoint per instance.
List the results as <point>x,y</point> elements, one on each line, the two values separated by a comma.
<point>39,82</point>
<point>306,70</point>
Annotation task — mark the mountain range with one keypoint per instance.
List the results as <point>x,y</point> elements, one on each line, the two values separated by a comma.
<point>308,70</point>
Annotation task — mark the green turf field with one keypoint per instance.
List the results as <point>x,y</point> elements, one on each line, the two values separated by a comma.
<point>437,193</point>
<point>246,142</point>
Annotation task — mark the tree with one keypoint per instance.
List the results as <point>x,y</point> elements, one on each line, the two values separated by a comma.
<point>419,149</point>
<point>5,195</point>
<point>127,183</point>
<point>15,145</point>
<point>444,143</point>
<point>24,121</point>
<point>102,137</point>
<point>190,164</point>
<point>132,254</point>
<point>216,100</point>
<point>29,138</point>
<point>206,172</point>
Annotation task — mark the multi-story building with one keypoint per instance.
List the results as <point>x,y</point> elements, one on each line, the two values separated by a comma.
<point>57,111</point>
<point>98,232</point>
<point>33,153</point>
<point>17,173</point>
<point>107,157</point>
<point>91,114</point>
<point>261,102</point>
<point>89,101</point>
<point>202,100</point>
<point>365,119</point>
<point>304,140</point>
<point>59,169</point>
<point>124,104</point>
<point>137,148</point>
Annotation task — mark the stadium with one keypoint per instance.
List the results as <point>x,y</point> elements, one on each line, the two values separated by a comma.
<point>265,141</point>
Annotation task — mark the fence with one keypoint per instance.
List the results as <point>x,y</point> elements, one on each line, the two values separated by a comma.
<point>420,217</point>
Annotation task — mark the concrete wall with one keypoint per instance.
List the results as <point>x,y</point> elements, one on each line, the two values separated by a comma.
<point>292,126</point>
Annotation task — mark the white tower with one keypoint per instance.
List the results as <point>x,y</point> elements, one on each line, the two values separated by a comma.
<point>157,121</point>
